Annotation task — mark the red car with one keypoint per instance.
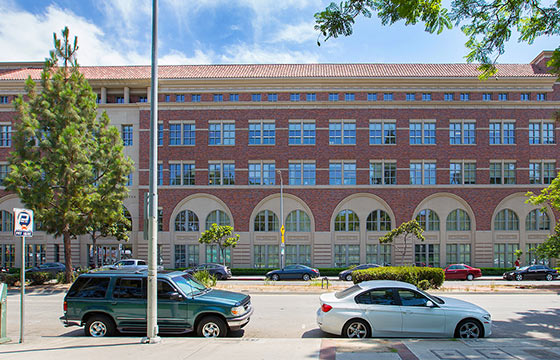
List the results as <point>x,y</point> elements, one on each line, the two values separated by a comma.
<point>461,272</point>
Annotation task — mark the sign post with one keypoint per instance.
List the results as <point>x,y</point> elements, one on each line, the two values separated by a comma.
<point>23,226</point>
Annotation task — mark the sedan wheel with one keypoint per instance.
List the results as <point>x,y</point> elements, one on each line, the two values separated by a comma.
<point>355,329</point>
<point>470,277</point>
<point>275,277</point>
<point>549,277</point>
<point>349,277</point>
<point>305,277</point>
<point>468,329</point>
<point>518,277</point>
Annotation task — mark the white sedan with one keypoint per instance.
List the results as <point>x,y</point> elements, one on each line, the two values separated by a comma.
<point>383,308</point>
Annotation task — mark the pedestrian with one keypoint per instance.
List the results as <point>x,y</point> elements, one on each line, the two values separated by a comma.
<point>516,264</point>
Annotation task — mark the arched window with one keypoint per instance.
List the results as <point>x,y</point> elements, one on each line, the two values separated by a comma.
<point>217,217</point>
<point>506,220</point>
<point>266,220</point>
<point>428,219</point>
<point>298,220</point>
<point>537,220</point>
<point>458,220</point>
<point>6,221</point>
<point>378,220</point>
<point>346,220</point>
<point>186,220</point>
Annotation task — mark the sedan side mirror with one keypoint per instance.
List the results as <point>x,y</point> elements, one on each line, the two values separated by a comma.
<point>430,304</point>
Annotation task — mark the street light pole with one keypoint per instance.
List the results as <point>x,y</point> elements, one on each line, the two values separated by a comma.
<point>282,244</point>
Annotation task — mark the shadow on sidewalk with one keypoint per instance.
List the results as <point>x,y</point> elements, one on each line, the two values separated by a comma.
<point>70,347</point>
<point>528,324</point>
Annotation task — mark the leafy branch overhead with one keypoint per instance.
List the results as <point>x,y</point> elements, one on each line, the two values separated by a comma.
<point>220,235</point>
<point>548,197</point>
<point>488,25</point>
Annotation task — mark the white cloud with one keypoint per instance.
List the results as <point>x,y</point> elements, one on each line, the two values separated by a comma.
<point>178,58</point>
<point>247,54</point>
<point>299,34</point>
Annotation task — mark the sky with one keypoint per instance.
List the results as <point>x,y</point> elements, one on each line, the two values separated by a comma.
<point>118,32</point>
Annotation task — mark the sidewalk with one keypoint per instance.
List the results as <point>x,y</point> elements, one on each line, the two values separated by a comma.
<point>129,348</point>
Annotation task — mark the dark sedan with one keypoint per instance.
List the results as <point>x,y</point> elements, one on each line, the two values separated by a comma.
<point>221,272</point>
<point>347,274</point>
<point>52,268</point>
<point>293,272</point>
<point>533,272</point>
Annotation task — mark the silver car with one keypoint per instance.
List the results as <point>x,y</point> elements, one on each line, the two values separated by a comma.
<point>382,308</point>
<point>132,264</point>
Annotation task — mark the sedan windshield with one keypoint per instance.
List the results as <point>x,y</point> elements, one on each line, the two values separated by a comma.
<point>189,285</point>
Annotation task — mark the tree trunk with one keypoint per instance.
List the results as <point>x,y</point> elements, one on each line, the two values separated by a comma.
<point>67,255</point>
<point>223,251</point>
<point>94,244</point>
<point>404,251</point>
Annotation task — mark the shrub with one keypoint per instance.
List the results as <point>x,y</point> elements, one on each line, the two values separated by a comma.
<point>39,277</point>
<point>9,279</point>
<point>423,284</point>
<point>206,278</point>
<point>412,275</point>
<point>494,271</point>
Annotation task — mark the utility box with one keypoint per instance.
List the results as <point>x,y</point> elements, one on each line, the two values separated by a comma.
<point>3,312</point>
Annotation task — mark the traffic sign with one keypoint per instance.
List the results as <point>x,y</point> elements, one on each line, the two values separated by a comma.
<point>23,222</point>
<point>282,229</point>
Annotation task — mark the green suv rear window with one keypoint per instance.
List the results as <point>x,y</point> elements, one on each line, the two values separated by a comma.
<point>89,288</point>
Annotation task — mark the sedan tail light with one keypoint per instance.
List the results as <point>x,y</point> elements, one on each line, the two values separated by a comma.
<point>326,308</point>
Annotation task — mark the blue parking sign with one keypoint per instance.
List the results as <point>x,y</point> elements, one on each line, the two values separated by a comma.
<point>23,222</point>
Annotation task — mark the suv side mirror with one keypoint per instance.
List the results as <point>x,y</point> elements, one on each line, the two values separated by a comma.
<point>430,304</point>
<point>175,296</point>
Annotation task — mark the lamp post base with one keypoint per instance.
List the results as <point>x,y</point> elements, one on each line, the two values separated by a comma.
<point>153,340</point>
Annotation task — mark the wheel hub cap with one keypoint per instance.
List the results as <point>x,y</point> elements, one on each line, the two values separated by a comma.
<point>98,328</point>
<point>211,330</point>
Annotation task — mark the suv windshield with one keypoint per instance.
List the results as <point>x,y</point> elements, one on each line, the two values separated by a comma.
<point>189,285</point>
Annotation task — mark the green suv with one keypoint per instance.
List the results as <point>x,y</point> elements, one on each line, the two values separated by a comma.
<point>107,301</point>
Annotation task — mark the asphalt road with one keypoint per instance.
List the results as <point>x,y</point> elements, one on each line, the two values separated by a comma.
<point>293,315</point>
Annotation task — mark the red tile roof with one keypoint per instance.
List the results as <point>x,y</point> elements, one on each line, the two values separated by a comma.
<point>277,71</point>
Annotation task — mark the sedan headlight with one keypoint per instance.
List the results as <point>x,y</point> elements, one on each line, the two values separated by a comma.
<point>238,310</point>
<point>487,317</point>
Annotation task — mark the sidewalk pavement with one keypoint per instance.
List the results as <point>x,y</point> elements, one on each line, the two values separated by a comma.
<point>130,348</point>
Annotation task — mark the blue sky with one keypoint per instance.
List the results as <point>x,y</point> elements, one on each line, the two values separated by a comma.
<point>118,32</point>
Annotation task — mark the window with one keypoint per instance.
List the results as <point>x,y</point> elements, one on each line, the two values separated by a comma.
<point>378,220</point>
<point>219,98</point>
<point>388,97</point>
<point>294,97</point>
<point>537,221</point>
<point>504,255</point>
<point>342,173</point>
<point>458,254</point>
<point>349,97</point>
<point>461,132</point>
<point>298,221</point>
<point>428,220</point>
<point>541,132</point>
<point>542,172</point>
<point>506,220</point>
<point>301,173</point>
<point>4,100</point>
<point>160,135</point>
<point>273,97</point>
<point>382,132</point>
<point>346,220</point>
<point>524,97</point>
<point>448,97</point>
<point>372,97</point>
<point>89,287</point>
<point>346,255</point>
<point>502,173</point>
<point>333,96</point>
<point>186,220</point>
<point>462,173</point>
<point>532,257</point>
<point>465,96</point>
<point>422,173</point>
<point>129,181</point>
<point>458,220</point>
<point>262,173</point>
<point>6,135</point>
<point>195,97</point>
<point>266,220</point>
<point>255,97</point>
<point>8,255</point>
<point>262,133</point>
<point>410,97</point>
<point>182,134</point>
<point>266,256</point>
<point>301,133</point>
<point>298,254</point>
<point>502,132</point>
<point>126,135</point>
<point>541,97</point>
<point>217,217</point>
<point>486,97</point>
<point>425,255</point>
<point>422,132</point>
<point>186,255</point>
<point>221,173</point>
<point>383,173</point>
<point>426,97</point>
<point>180,98</point>
<point>214,255</point>
<point>35,255</point>
<point>502,97</point>
<point>378,254</point>
<point>142,99</point>
<point>119,100</point>
<point>4,171</point>
<point>181,174</point>
<point>167,98</point>
<point>311,97</point>
<point>6,221</point>
<point>221,133</point>
<point>234,97</point>
<point>342,132</point>
<point>129,289</point>
<point>160,220</point>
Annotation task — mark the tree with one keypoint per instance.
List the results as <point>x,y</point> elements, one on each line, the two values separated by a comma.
<point>67,160</point>
<point>408,228</point>
<point>548,197</point>
<point>487,24</point>
<point>220,235</point>
<point>118,226</point>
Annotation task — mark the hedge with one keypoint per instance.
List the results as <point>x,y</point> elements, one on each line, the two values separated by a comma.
<point>495,271</point>
<point>410,274</point>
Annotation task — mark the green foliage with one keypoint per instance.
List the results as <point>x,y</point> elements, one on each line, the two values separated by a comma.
<point>206,278</point>
<point>68,164</point>
<point>495,271</point>
<point>407,229</point>
<point>423,284</point>
<point>410,274</point>
<point>221,235</point>
<point>9,279</point>
<point>548,197</point>
<point>38,277</point>
<point>488,25</point>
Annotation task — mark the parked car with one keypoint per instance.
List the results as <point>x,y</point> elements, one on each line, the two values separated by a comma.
<point>221,272</point>
<point>347,274</point>
<point>106,301</point>
<point>462,272</point>
<point>293,272</point>
<point>532,272</point>
<point>384,308</point>
<point>52,268</point>
<point>130,264</point>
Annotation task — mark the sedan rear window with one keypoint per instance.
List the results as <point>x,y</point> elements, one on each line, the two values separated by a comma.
<point>89,287</point>
<point>346,292</point>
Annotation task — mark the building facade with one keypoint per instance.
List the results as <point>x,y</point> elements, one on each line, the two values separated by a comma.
<point>358,149</point>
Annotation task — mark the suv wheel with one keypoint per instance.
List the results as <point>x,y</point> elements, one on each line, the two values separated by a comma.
<point>99,326</point>
<point>211,326</point>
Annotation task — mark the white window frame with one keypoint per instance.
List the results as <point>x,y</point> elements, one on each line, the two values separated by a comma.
<point>383,122</point>
<point>222,123</point>
<point>502,132</point>
<point>302,177</point>
<point>301,136</point>
<point>221,163</point>
<point>541,124</point>
<point>261,165</point>
<point>423,170</point>
<point>261,137</point>
<point>383,170</point>
<point>343,122</point>
<point>423,124</point>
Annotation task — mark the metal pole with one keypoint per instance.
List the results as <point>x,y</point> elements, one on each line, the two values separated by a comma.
<point>152,330</point>
<point>282,244</point>
<point>22,281</point>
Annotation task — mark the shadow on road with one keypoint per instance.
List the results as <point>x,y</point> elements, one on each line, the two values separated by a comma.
<point>530,323</point>
<point>317,333</point>
<point>79,332</point>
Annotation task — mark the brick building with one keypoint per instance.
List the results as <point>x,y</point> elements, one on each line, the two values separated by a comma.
<point>358,148</point>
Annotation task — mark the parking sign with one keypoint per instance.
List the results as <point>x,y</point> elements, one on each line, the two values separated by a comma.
<point>23,222</point>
